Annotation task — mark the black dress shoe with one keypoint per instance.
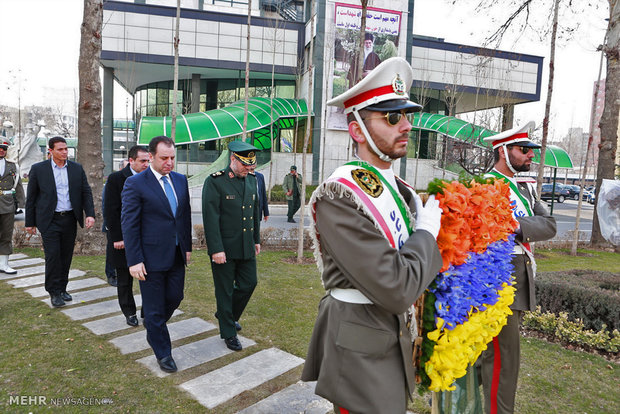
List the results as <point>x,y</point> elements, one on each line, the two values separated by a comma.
<point>237,326</point>
<point>233,343</point>
<point>132,320</point>
<point>112,281</point>
<point>57,301</point>
<point>167,364</point>
<point>66,297</point>
<point>291,220</point>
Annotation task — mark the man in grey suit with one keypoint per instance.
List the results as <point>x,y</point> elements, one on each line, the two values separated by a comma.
<point>513,152</point>
<point>58,196</point>
<point>377,250</point>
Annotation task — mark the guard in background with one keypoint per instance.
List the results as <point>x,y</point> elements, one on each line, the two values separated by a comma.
<point>231,218</point>
<point>10,190</point>
<point>513,153</point>
<point>292,189</point>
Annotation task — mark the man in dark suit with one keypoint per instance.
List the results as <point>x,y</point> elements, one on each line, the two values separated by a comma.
<point>232,229</point>
<point>157,234</point>
<point>263,206</point>
<point>58,196</point>
<point>138,162</point>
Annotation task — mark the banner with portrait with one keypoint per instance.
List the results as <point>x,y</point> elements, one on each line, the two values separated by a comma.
<point>381,41</point>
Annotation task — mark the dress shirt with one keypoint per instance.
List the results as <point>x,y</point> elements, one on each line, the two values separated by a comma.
<point>61,177</point>
<point>161,183</point>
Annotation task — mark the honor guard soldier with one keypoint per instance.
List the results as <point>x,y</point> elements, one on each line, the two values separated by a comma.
<point>231,218</point>
<point>11,190</point>
<point>513,152</point>
<point>376,249</point>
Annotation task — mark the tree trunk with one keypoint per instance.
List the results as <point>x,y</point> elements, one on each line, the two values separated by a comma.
<point>91,241</point>
<point>360,55</point>
<point>302,214</point>
<point>247,74</point>
<point>609,119</point>
<point>584,172</point>
<point>175,81</point>
<point>543,150</point>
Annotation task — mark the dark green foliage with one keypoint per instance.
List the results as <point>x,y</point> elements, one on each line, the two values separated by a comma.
<point>437,185</point>
<point>428,325</point>
<point>590,296</point>
<point>278,196</point>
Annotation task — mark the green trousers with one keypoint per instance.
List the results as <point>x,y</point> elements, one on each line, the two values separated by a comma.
<point>234,283</point>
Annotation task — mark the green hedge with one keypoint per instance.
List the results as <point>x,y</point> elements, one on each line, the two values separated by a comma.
<point>278,196</point>
<point>591,297</point>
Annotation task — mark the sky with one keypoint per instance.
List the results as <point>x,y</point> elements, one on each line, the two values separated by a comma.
<point>40,46</point>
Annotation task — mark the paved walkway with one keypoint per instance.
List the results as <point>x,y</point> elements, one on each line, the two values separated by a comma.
<point>95,301</point>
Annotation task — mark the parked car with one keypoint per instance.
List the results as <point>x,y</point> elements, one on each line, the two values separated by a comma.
<point>592,196</point>
<point>573,191</point>
<point>559,195</point>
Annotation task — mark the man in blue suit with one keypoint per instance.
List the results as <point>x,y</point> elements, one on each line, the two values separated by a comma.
<point>157,231</point>
<point>263,206</point>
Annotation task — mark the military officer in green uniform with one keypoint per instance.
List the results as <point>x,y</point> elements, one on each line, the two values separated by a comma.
<point>10,187</point>
<point>231,219</point>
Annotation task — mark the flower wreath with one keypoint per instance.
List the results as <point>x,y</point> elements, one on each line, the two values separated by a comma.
<point>468,302</point>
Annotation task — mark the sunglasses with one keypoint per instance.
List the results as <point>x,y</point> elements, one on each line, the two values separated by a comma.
<point>393,118</point>
<point>524,150</point>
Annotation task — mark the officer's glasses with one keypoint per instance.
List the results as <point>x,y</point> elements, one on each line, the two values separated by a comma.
<point>393,118</point>
<point>524,150</point>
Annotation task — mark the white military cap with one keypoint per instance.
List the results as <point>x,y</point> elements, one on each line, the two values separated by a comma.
<point>385,88</point>
<point>516,136</point>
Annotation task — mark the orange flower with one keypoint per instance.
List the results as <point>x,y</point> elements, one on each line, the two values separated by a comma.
<point>473,217</point>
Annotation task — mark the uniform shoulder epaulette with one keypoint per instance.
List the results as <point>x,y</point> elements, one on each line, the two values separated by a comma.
<point>218,173</point>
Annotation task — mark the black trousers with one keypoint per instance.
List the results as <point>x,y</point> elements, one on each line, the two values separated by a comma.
<point>58,242</point>
<point>162,293</point>
<point>125,291</point>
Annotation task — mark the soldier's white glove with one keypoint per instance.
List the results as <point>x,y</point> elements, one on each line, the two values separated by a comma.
<point>428,216</point>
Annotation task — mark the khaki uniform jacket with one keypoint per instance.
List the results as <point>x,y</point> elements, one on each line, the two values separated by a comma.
<point>230,215</point>
<point>361,355</point>
<point>541,226</point>
<point>7,182</point>
<point>289,183</point>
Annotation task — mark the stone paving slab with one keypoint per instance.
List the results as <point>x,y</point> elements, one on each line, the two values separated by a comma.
<point>86,296</point>
<point>26,271</point>
<point>96,309</point>
<point>40,279</point>
<point>297,398</point>
<point>195,353</point>
<point>73,285</point>
<point>16,256</point>
<point>26,262</point>
<point>136,341</point>
<point>114,323</point>
<point>216,387</point>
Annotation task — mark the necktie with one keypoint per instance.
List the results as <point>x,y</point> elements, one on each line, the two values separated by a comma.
<point>170,195</point>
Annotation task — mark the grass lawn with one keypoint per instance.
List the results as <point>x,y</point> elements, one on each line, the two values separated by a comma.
<point>44,353</point>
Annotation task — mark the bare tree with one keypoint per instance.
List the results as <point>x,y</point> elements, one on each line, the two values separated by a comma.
<point>360,55</point>
<point>247,73</point>
<point>175,81</point>
<point>310,74</point>
<point>89,118</point>
<point>609,119</point>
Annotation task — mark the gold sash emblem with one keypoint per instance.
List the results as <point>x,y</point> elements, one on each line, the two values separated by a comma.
<point>368,181</point>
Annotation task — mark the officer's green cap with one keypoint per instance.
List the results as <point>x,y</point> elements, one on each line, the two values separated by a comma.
<point>244,152</point>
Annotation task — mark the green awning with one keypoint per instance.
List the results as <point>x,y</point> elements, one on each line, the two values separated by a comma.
<point>464,131</point>
<point>225,122</point>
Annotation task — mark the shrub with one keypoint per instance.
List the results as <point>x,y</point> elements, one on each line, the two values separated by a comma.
<point>589,296</point>
<point>278,196</point>
<point>571,332</point>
